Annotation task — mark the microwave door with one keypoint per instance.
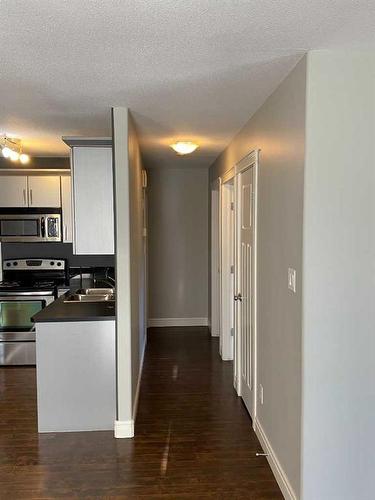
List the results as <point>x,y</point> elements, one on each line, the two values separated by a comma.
<point>20,229</point>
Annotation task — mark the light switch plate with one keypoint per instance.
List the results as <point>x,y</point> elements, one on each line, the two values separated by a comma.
<point>292,279</point>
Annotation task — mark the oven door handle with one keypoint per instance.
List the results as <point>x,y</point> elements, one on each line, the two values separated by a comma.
<point>43,227</point>
<point>24,296</point>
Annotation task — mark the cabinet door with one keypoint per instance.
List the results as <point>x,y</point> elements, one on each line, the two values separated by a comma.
<point>93,200</point>
<point>44,191</point>
<point>13,191</point>
<point>66,205</point>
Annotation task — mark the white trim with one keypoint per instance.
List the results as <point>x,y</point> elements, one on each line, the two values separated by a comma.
<point>247,161</point>
<point>124,429</point>
<point>227,255</point>
<point>136,397</point>
<point>160,322</point>
<point>215,258</point>
<point>278,471</point>
<point>228,175</point>
<point>255,282</point>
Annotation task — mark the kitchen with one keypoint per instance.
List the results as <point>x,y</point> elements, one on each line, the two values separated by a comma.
<point>57,239</point>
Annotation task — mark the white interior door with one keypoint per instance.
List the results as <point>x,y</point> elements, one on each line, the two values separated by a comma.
<point>244,286</point>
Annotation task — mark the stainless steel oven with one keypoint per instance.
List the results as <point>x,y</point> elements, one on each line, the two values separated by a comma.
<point>22,226</point>
<point>17,331</point>
<point>28,286</point>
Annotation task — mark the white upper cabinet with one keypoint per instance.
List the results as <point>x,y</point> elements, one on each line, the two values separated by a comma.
<point>13,191</point>
<point>66,205</point>
<point>93,200</point>
<point>44,191</point>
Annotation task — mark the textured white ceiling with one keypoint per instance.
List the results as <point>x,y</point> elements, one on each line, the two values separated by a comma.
<point>188,69</point>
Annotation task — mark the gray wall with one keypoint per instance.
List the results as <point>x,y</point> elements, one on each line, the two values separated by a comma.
<point>130,267</point>
<point>278,130</point>
<point>120,119</point>
<point>39,162</point>
<point>138,257</point>
<point>178,243</point>
<point>339,271</point>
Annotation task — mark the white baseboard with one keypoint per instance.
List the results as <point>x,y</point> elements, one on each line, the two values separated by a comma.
<point>124,428</point>
<point>161,322</point>
<point>278,471</point>
<point>136,398</point>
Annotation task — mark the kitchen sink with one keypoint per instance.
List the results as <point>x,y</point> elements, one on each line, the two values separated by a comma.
<point>95,291</point>
<point>91,295</point>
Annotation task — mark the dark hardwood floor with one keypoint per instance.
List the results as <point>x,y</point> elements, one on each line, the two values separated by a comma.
<point>193,436</point>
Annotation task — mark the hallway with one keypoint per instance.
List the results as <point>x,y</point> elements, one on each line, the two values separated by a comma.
<point>193,435</point>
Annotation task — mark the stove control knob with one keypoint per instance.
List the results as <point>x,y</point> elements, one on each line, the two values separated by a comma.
<point>52,263</point>
<point>15,263</point>
<point>59,263</point>
<point>8,264</point>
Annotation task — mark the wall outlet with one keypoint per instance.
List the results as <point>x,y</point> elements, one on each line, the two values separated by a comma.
<point>292,279</point>
<point>261,394</point>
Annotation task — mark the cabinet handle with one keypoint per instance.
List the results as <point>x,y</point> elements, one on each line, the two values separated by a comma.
<point>43,227</point>
<point>65,232</point>
<point>31,196</point>
<point>24,196</point>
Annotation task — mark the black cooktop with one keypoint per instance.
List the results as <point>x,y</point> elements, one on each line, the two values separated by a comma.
<point>17,286</point>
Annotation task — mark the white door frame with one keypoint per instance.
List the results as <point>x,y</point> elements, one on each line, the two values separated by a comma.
<point>249,161</point>
<point>215,258</point>
<point>227,266</point>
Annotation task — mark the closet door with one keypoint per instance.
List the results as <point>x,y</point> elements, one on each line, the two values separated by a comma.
<point>245,278</point>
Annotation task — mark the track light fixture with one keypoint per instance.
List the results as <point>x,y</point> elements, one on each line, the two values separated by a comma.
<point>11,148</point>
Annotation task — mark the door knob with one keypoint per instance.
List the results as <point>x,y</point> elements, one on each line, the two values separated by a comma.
<point>238,297</point>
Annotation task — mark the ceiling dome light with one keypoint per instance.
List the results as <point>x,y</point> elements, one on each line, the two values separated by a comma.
<point>24,158</point>
<point>184,147</point>
<point>6,152</point>
<point>14,156</point>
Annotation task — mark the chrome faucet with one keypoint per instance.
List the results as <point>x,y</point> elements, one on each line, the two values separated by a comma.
<point>108,279</point>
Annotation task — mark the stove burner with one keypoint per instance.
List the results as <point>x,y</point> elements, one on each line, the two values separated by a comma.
<point>9,284</point>
<point>44,284</point>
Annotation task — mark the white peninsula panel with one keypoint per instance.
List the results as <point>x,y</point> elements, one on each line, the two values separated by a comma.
<point>76,376</point>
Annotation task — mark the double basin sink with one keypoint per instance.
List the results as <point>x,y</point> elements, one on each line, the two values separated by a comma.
<point>91,295</point>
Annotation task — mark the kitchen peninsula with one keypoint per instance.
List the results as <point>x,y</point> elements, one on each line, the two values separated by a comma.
<point>75,360</point>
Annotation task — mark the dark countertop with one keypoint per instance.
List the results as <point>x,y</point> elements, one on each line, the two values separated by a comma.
<point>59,311</point>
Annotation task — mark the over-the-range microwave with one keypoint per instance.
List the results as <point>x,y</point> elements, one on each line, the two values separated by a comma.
<point>30,225</point>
